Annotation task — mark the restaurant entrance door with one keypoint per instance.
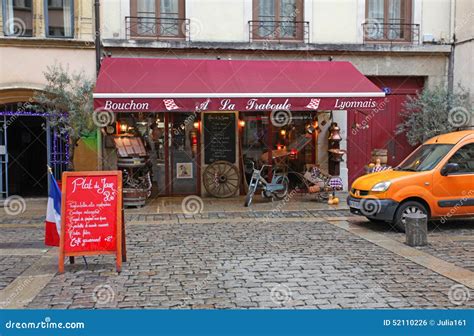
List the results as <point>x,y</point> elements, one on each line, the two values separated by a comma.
<point>27,156</point>
<point>183,154</point>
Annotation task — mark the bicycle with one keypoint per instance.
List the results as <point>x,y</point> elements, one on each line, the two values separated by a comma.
<point>277,188</point>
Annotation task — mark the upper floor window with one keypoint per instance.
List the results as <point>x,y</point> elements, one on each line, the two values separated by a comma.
<point>389,20</point>
<point>18,17</point>
<point>278,20</point>
<point>59,18</point>
<point>157,18</point>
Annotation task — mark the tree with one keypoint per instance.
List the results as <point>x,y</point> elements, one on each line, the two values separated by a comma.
<point>67,98</point>
<point>433,112</point>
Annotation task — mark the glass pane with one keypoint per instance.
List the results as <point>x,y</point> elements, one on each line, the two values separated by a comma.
<point>288,14</point>
<point>288,9</point>
<point>375,20</point>
<point>146,12</point>
<point>266,14</point>
<point>254,141</point>
<point>183,151</point>
<point>464,157</point>
<point>157,151</point>
<point>169,25</point>
<point>60,18</point>
<point>395,19</point>
<point>18,18</point>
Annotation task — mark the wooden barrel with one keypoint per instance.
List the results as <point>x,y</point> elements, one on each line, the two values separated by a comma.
<point>381,154</point>
<point>134,197</point>
<point>131,162</point>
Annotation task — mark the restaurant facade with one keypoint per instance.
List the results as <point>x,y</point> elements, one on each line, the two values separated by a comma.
<point>204,123</point>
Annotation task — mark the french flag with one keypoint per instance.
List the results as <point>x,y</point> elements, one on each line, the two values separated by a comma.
<point>53,214</point>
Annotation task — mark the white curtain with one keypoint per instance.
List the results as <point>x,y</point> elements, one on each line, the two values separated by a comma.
<point>169,7</point>
<point>375,20</point>
<point>395,18</point>
<point>9,17</point>
<point>376,10</point>
<point>146,8</point>
<point>169,12</point>
<point>266,12</point>
<point>394,11</point>
<point>288,15</point>
<point>146,12</point>
<point>67,17</point>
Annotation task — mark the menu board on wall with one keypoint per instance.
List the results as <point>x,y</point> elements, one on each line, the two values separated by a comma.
<point>91,215</point>
<point>219,137</point>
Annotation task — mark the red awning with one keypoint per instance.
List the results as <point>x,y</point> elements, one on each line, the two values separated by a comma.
<point>154,85</point>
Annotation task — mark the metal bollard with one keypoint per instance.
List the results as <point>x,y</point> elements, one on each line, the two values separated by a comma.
<point>416,229</point>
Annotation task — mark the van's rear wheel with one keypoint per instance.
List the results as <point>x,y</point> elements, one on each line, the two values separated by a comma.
<point>405,209</point>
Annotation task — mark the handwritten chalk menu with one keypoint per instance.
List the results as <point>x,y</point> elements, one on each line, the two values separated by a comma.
<point>91,214</point>
<point>219,137</point>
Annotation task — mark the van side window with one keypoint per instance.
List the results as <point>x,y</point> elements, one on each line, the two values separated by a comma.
<point>464,157</point>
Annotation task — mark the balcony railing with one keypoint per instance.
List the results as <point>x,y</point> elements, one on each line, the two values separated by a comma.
<point>396,32</point>
<point>279,31</point>
<point>156,28</point>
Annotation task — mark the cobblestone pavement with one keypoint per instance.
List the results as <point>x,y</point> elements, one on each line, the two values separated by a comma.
<point>12,266</point>
<point>305,263</point>
<point>452,241</point>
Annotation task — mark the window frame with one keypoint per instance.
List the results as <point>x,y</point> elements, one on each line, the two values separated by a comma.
<point>407,18</point>
<point>4,20</point>
<point>46,21</point>
<point>299,18</point>
<point>181,17</point>
<point>451,157</point>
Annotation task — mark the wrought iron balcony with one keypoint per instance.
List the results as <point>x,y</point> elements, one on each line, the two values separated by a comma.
<point>279,31</point>
<point>156,28</point>
<point>395,32</point>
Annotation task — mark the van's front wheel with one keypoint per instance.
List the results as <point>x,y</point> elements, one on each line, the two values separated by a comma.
<point>405,209</point>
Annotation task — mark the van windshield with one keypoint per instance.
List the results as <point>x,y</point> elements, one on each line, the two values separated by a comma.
<point>425,157</point>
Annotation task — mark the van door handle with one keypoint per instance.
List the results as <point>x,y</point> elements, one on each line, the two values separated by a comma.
<point>427,183</point>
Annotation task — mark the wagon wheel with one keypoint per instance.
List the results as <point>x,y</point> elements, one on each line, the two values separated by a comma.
<point>221,179</point>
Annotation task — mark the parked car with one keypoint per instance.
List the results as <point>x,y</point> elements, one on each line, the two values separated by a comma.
<point>437,179</point>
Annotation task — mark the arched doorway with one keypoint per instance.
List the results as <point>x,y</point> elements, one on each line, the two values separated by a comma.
<point>27,146</point>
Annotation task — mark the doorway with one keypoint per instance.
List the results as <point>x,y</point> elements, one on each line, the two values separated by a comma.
<point>27,156</point>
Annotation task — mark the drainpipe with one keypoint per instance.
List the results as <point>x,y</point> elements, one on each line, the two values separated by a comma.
<point>453,44</point>
<point>98,53</point>
<point>97,35</point>
<point>451,70</point>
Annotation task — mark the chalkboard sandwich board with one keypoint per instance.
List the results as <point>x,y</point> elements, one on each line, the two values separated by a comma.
<point>91,215</point>
<point>219,137</point>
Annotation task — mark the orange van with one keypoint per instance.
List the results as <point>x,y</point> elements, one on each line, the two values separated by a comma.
<point>437,179</point>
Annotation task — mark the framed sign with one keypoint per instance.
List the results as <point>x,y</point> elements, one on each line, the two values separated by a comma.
<point>184,170</point>
<point>219,137</point>
<point>91,215</point>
